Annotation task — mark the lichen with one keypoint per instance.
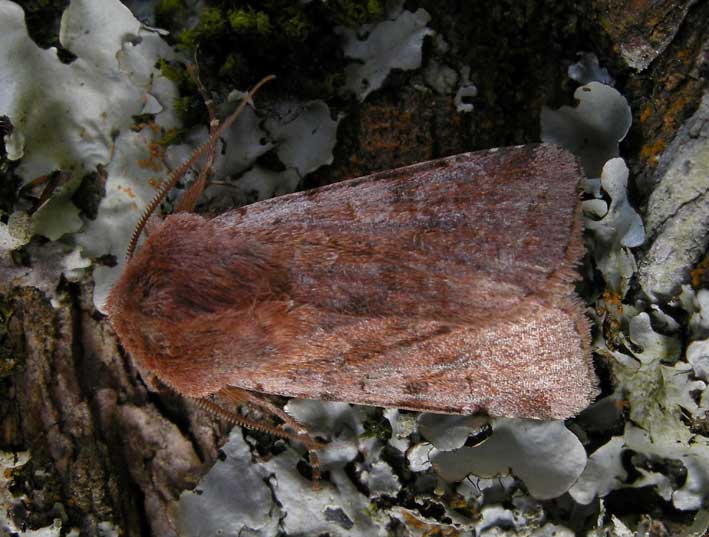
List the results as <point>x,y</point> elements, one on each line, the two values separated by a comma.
<point>614,228</point>
<point>592,129</point>
<point>88,103</point>
<point>660,395</point>
<point>396,43</point>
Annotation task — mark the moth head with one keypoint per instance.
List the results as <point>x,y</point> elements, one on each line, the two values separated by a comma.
<point>129,308</point>
<point>137,287</point>
<point>158,285</point>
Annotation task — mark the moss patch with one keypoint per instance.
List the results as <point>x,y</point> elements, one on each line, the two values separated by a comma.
<point>237,43</point>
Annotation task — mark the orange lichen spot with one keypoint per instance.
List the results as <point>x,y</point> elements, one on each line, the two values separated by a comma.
<point>646,113</point>
<point>697,274</point>
<point>622,404</point>
<point>127,190</point>
<point>156,159</point>
<point>673,80</point>
<point>650,152</point>
<point>425,529</point>
<point>458,502</point>
<point>676,112</point>
<point>610,303</point>
<point>613,298</point>
<point>155,182</point>
<point>413,522</point>
<point>610,307</point>
<point>683,58</point>
<point>467,507</point>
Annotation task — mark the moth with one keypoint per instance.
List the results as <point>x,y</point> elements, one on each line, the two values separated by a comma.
<point>446,286</point>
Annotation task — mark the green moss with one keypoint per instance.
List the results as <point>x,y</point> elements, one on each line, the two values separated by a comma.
<point>172,136</point>
<point>248,21</point>
<point>188,39</point>
<point>377,428</point>
<point>297,27</point>
<point>239,42</point>
<point>189,105</point>
<point>333,82</point>
<point>354,13</point>
<point>232,66</point>
<point>174,71</point>
<point>188,109</point>
<point>211,24</point>
<point>167,7</point>
<point>169,13</point>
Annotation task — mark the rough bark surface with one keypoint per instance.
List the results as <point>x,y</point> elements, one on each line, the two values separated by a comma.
<point>109,450</point>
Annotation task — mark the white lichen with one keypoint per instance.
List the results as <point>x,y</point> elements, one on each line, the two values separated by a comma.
<point>614,228</point>
<point>587,69</point>
<point>231,499</point>
<point>592,129</point>
<point>660,393</point>
<point>545,455</point>
<point>270,497</point>
<point>395,43</point>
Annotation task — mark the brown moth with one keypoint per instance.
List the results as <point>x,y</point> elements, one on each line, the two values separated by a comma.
<point>445,287</point>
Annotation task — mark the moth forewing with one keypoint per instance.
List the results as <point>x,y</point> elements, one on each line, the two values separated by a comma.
<point>443,286</point>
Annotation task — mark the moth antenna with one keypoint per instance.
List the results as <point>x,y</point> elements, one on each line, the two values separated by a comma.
<point>310,444</point>
<point>180,171</point>
<point>188,200</point>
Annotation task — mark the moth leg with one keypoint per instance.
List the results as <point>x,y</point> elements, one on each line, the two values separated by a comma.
<point>308,441</point>
<point>240,396</point>
<point>188,201</point>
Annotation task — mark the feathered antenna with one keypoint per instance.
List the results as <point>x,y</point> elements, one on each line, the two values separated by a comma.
<point>180,171</point>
